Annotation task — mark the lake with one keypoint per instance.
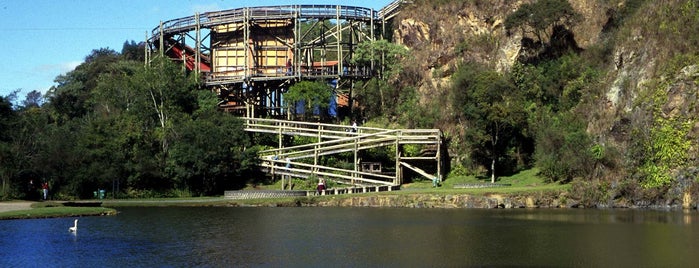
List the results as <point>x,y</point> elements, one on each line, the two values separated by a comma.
<point>355,237</point>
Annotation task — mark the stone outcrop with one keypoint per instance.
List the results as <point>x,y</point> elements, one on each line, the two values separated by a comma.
<point>553,200</point>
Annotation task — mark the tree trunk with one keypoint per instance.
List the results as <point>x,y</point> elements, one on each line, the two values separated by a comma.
<point>162,117</point>
<point>492,171</point>
<point>494,140</point>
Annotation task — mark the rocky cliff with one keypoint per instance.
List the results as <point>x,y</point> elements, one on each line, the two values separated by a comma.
<point>645,43</point>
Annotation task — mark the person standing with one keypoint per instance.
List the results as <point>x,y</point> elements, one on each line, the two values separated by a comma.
<point>289,67</point>
<point>321,185</point>
<point>31,189</point>
<point>45,189</point>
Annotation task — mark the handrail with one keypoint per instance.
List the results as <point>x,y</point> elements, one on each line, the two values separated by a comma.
<point>215,18</point>
<point>311,127</point>
<point>390,10</point>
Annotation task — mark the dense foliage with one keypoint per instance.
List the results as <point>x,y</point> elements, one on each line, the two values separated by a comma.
<point>304,97</point>
<point>115,124</point>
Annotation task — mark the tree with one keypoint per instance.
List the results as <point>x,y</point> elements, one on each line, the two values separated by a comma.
<point>309,94</point>
<point>69,99</point>
<point>377,96</point>
<point>211,154</point>
<point>494,115</point>
<point>170,94</point>
<point>133,51</point>
<point>33,99</point>
<point>7,119</point>
<point>386,55</point>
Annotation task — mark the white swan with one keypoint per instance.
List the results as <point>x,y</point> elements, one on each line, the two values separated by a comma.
<point>74,228</point>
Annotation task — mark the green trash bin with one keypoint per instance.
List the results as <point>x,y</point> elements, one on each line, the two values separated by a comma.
<point>94,194</point>
<point>102,194</point>
<point>435,182</point>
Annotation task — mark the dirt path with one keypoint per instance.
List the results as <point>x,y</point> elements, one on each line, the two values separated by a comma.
<point>15,205</point>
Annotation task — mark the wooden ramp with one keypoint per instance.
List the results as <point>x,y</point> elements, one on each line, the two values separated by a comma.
<point>419,171</point>
<point>302,161</point>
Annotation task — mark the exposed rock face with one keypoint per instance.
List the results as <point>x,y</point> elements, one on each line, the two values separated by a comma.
<point>438,34</point>
<point>442,36</point>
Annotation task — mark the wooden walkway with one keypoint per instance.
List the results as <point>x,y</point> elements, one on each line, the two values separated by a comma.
<point>302,161</point>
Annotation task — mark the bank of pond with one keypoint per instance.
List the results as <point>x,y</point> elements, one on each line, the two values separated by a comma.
<point>552,198</point>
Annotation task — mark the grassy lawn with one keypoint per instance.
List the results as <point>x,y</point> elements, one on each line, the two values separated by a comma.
<point>54,210</point>
<point>522,182</point>
<point>165,202</point>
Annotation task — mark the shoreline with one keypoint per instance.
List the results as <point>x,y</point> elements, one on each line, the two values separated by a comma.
<point>407,199</point>
<point>14,210</point>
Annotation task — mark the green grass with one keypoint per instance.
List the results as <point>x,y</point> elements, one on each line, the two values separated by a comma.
<point>522,182</point>
<point>54,210</point>
<point>166,201</point>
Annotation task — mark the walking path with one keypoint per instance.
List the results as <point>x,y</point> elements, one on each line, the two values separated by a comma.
<point>15,205</point>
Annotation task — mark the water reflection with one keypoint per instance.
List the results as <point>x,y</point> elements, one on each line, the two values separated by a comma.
<point>365,237</point>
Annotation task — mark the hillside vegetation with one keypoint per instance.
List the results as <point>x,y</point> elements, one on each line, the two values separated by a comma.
<point>601,94</point>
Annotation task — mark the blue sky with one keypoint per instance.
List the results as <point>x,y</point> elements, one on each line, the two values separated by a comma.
<point>41,39</point>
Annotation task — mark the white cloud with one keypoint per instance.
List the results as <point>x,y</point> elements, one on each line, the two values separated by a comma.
<point>60,68</point>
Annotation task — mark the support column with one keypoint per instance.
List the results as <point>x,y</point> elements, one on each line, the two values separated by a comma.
<point>439,157</point>
<point>373,38</point>
<point>184,54</point>
<point>162,42</point>
<point>197,46</point>
<point>247,42</point>
<point>146,53</point>
<point>317,148</point>
<point>356,159</point>
<point>399,174</point>
<point>297,41</point>
<point>339,43</point>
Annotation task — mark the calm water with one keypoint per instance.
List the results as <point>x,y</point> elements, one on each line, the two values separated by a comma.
<point>355,237</point>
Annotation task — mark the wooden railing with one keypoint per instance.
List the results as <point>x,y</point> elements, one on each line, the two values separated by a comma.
<point>215,18</point>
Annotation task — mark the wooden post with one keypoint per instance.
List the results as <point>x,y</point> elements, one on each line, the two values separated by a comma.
<point>317,148</point>
<point>145,51</point>
<point>280,134</point>
<point>162,42</point>
<point>373,38</point>
<point>339,42</point>
<point>246,38</point>
<point>399,174</point>
<point>197,46</point>
<point>439,156</point>
<point>297,47</point>
<point>184,55</point>
<point>356,159</point>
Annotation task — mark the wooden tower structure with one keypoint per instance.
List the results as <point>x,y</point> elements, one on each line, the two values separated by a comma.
<point>250,56</point>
